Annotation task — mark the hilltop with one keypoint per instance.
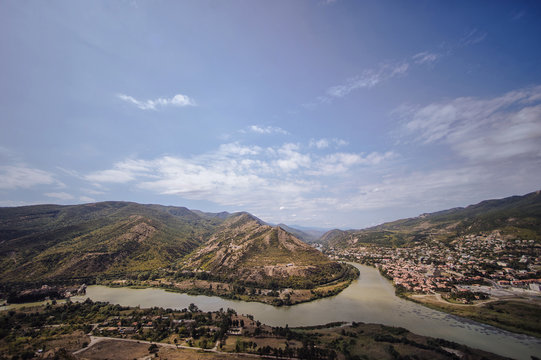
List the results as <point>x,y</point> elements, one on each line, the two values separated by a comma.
<point>83,241</point>
<point>517,216</point>
<point>124,243</point>
<point>244,248</point>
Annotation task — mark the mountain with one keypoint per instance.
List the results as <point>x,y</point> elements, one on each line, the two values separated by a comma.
<point>245,248</point>
<point>51,241</point>
<point>519,216</point>
<point>116,240</point>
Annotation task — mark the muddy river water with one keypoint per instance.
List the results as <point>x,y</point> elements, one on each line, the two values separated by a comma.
<point>369,299</point>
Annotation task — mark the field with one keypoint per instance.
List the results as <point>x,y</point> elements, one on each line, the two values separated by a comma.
<point>512,315</point>
<point>127,350</point>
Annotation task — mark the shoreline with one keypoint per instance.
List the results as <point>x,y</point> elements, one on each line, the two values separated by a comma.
<point>464,310</point>
<point>275,297</point>
<point>320,292</point>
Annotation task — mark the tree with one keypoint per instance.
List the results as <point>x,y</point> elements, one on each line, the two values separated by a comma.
<point>153,348</point>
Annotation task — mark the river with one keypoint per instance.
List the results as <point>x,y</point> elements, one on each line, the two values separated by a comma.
<point>369,299</point>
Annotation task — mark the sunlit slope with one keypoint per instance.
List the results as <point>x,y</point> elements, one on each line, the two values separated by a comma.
<point>50,241</point>
<point>121,239</point>
<point>246,249</point>
<point>519,216</point>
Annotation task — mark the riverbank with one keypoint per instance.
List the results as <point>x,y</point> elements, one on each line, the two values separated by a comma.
<point>369,299</point>
<point>90,330</point>
<point>249,292</point>
<point>243,292</point>
<point>515,314</point>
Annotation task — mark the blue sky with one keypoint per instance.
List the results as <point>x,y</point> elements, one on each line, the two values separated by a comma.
<point>319,113</point>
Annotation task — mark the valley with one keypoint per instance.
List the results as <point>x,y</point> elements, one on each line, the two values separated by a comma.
<point>481,262</point>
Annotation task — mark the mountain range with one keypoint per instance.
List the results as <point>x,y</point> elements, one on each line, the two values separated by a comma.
<point>116,240</point>
<point>121,239</point>
<point>519,216</point>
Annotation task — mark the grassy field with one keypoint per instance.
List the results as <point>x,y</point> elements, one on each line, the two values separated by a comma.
<point>372,341</point>
<point>513,315</point>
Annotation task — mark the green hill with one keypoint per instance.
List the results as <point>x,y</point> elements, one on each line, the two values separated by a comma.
<point>244,248</point>
<point>116,240</point>
<point>62,242</point>
<point>519,216</point>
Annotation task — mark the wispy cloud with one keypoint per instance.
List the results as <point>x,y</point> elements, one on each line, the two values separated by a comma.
<point>429,189</point>
<point>385,71</point>
<point>517,15</point>
<point>12,203</point>
<point>86,199</point>
<point>336,163</point>
<point>60,195</point>
<point>369,78</point>
<point>425,57</point>
<point>499,128</point>
<point>472,37</point>
<point>117,175</point>
<point>23,177</point>
<point>178,100</point>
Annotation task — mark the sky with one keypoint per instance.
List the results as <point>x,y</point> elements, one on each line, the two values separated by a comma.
<point>328,114</point>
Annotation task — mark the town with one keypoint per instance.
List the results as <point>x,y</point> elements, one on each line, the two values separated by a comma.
<point>469,268</point>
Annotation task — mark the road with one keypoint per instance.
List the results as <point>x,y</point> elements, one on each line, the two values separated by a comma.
<point>97,339</point>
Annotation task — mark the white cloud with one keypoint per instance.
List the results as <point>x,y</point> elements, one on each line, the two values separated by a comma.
<point>340,142</point>
<point>342,162</point>
<point>178,100</point>
<point>503,127</point>
<point>249,177</point>
<point>21,176</point>
<point>320,144</point>
<point>325,143</point>
<point>291,159</point>
<point>87,199</point>
<point>237,149</point>
<point>59,195</point>
<point>115,175</point>
<point>267,130</point>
